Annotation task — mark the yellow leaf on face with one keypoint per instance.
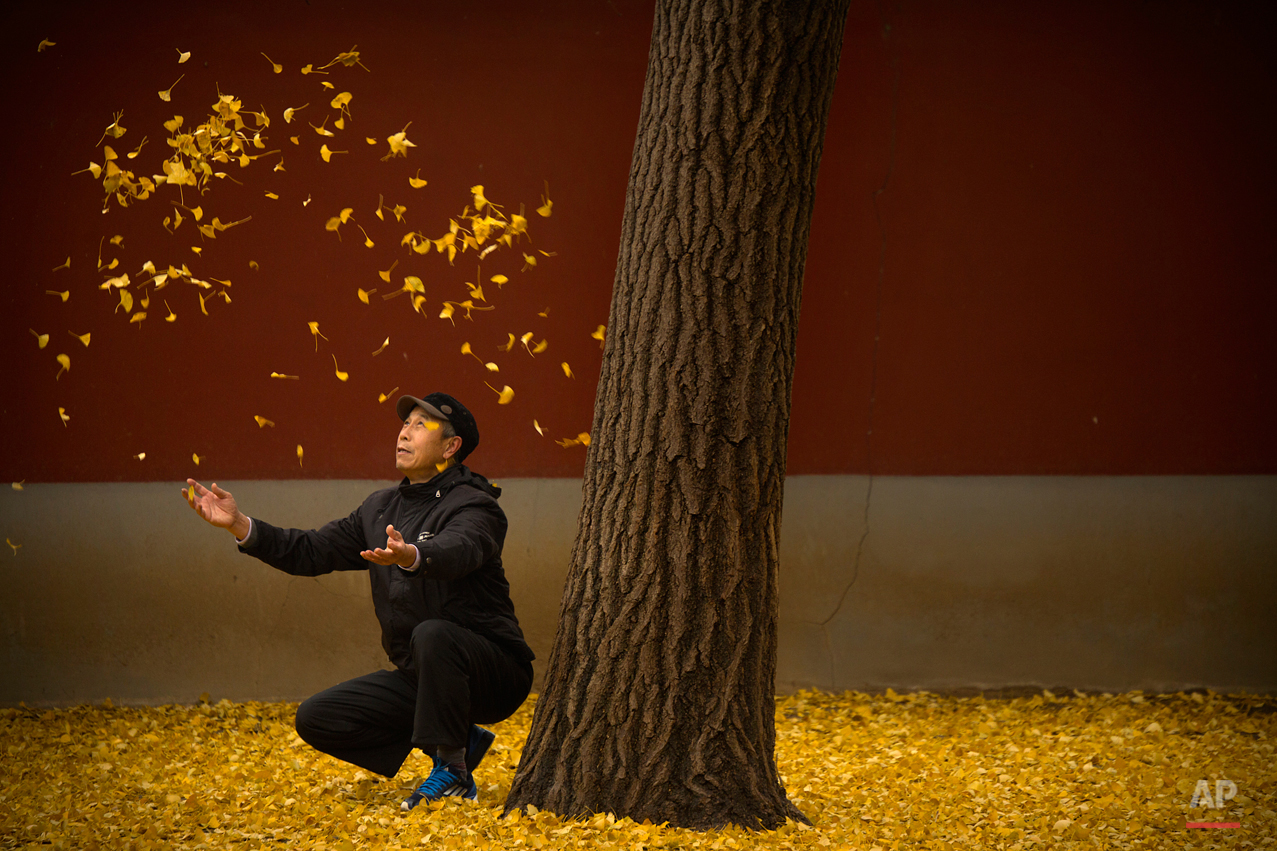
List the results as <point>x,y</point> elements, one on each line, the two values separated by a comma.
<point>537,426</point>
<point>598,335</point>
<point>41,339</point>
<point>416,182</point>
<point>44,42</point>
<point>182,57</point>
<point>567,370</point>
<point>341,376</point>
<point>83,338</point>
<point>281,375</point>
<point>299,455</point>
<point>262,422</point>
<point>382,348</point>
<point>65,361</point>
<point>66,418</point>
<point>275,66</point>
<point>197,458</point>
<point>381,397</point>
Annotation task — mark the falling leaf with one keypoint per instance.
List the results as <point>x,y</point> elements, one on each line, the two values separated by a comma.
<point>83,338</point>
<point>548,206</point>
<point>582,439</point>
<point>363,294</point>
<point>327,85</point>
<point>182,57</point>
<point>540,347</point>
<point>479,201</point>
<point>327,154</point>
<point>141,456</point>
<point>537,426</point>
<point>293,110</point>
<point>545,312</point>
<point>321,129</point>
<point>385,276</point>
<point>341,376</point>
<point>66,265</point>
<point>299,455</point>
<point>16,547</point>
<point>341,101</point>
<point>262,422</point>
<point>499,279</point>
<point>275,66</point>
<point>307,201</point>
<point>44,42</point>
<point>17,486</point>
<point>367,239</point>
<point>138,317</point>
<point>399,143</point>
<point>370,140</point>
<point>349,58</point>
<point>65,361</point>
<point>171,315</point>
<point>567,370</point>
<point>491,367</point>
<point>381,397</point>
<point>529,262</point>
<point>281,375</point>
<point>310,69</point>
<point>504,395</point>
<point>598,335</point>
<point>42,340</point>
<point>447,312</point>
<point>252,264</point>
<point>315,332</point>
<point>509,344</point>
<point>416,182</point>
<point>66,418</point>
<point>197,458</point>
<point>382,348</point>
<point>272,196</point>
<point>167,93</point>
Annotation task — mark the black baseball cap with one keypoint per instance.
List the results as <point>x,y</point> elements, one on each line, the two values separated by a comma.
<point>445,407</point>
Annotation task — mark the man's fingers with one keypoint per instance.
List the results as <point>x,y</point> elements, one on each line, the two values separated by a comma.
<point>219,491</point>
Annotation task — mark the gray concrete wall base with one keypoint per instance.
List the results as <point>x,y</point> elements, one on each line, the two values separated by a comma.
<point>1156,583</point>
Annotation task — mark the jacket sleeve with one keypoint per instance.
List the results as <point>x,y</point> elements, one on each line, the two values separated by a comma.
<point>470,538</point>
<point>334,546</point>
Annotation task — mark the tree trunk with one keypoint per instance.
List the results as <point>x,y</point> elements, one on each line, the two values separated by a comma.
<point>658,701</point>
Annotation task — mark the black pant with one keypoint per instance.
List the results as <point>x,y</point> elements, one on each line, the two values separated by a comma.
<point>458,679</point>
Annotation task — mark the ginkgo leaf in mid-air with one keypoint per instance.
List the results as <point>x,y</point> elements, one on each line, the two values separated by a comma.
<point>348,58</point>
<point>272,196</point>
<point>166,95</point>
<point>83,338</point>
<point>299,455</point>
<point>466,350</point>
<point>293,110</point>
<point>598,335</point>
<point>12,545</point>
<point>281,375</point>
<point>363,294</point>
<point>66,265</point>
<point>17,486</point>
<point>499,279</point>
<point>197,458</point>
<point>548,206</point>
<point>504,395</point>
<point>262,422</point>
<point>385,276</point>
<point>537,426</point>
<point>44,42</point>
<point>567,370</point>
<point>367,239</point>
<point>529,262</point>
<point>327,154</point>
<point>42,340</point>
<point>479,200</point>
<point>141,456</point>
<point>182,57</point>
<point>138,318</point>
<point>65,362</point>
<point>252,264</point>
<point>171,315</point>
<point>316,333</point>
<point>341,376</point>
<point>321,129</point>
<point>66,418</point>
<point>416,182</point>
<point>327,85</point>
<point>382,347</point>
<point>381,397</point>
<point>447,312</point>
<point>341,101</point>
<point>275,66</point>
<point>399,143</point>
<point>509,344</point>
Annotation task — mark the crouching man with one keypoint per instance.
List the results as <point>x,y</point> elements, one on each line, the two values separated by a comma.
<point>432,549</point>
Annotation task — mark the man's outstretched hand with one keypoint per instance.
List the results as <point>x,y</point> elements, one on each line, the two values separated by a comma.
<point>395,552</point>
<point>216,506</point>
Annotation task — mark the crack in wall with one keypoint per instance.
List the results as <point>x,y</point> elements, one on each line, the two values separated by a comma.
<point>873,369</point>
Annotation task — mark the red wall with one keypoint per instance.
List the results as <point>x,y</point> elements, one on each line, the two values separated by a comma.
<point>1067,267</point>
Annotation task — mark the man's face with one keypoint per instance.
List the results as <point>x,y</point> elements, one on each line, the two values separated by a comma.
<point>422,449</point>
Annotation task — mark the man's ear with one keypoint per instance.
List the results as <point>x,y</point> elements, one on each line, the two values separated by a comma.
<point>454,447</point>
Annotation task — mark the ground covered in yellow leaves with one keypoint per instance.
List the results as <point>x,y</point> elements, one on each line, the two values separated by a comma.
<point>870,771</point>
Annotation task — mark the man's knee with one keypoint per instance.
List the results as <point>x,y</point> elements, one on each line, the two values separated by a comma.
<point>433,636</point>
<point>312,722</point>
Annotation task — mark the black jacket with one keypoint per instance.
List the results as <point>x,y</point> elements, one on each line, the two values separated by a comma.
<point>459,529</point>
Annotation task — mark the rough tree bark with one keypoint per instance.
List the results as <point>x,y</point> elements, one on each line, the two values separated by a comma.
<point>658,701</point>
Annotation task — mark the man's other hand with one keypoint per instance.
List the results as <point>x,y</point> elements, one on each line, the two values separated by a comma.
<point>395,552</point>
<point>216,506</point>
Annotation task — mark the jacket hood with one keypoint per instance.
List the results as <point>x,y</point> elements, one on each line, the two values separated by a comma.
<point>458,476</point>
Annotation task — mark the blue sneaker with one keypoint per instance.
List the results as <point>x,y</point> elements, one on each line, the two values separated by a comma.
<point>480,741</point>
<point>441,783</point>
